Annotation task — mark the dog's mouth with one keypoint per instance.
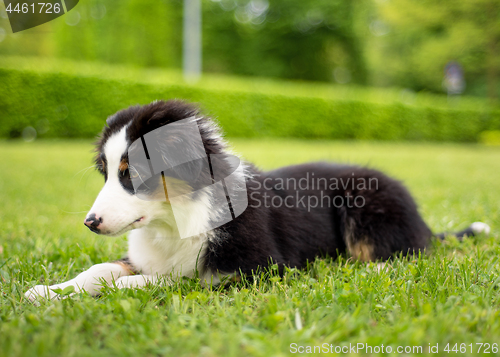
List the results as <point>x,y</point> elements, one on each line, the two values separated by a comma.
<point>135,224</point>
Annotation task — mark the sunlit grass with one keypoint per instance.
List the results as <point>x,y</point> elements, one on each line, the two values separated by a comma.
<point>450,295</point>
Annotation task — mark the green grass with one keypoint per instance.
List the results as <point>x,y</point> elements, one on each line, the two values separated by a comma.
<point>451,295</point>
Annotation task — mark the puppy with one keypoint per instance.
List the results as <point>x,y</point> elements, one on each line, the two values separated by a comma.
<point>192,207</point>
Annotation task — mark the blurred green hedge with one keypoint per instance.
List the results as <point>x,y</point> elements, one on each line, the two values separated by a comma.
<point>75,104</point>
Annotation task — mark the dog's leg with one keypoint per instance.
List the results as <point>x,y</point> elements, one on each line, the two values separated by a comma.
<point>90,281</point>
<point>136,281</point>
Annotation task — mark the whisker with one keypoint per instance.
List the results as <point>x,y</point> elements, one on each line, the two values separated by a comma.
<point>85,168</point>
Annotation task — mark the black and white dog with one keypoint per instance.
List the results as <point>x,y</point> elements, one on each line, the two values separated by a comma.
<point>293,214</point>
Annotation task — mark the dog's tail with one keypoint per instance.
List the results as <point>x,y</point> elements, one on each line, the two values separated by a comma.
<point>474,229</point>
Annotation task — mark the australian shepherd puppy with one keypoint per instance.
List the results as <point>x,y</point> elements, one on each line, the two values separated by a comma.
<point>192,206</point>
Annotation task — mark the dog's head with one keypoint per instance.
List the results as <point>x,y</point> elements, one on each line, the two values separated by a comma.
<point>130,198</point>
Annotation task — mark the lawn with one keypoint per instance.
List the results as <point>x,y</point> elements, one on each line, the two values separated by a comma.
<point>449,296</point>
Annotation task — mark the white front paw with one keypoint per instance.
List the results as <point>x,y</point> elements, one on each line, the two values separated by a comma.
<point>41,292</point>
<point>130,282</point>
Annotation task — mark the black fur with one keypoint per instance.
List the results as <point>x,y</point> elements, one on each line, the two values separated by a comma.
<point>291,236</point>
<point>387,223</point>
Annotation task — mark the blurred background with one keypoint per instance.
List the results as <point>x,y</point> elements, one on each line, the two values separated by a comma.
<point>362,69</point>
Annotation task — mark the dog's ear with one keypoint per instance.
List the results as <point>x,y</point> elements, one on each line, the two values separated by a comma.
<point>111,119</point>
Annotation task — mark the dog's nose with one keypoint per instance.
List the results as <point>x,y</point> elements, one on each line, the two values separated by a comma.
<point>93,222</point>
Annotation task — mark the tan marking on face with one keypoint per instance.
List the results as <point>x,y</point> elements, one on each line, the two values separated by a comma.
<point>123,165</point>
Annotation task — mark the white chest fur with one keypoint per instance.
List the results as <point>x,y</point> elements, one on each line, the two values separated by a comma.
<point>153,252</point>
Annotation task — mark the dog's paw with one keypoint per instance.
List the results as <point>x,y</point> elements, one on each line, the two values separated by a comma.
<point>40,292</point>
<point>480,227</point>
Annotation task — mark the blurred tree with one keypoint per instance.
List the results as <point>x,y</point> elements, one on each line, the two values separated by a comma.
<point>142,33</point>
<point>137,32</point>
<point>412,41</point>
<point>284,38</point>
<point>403,43</point>
<point>302,39</point>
